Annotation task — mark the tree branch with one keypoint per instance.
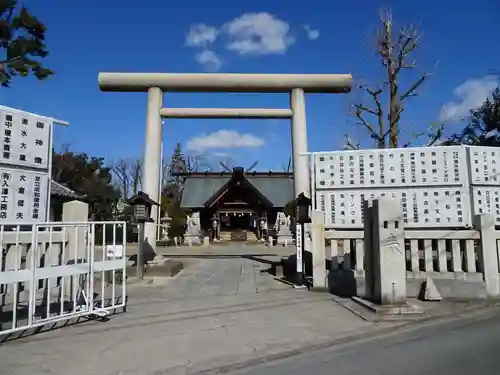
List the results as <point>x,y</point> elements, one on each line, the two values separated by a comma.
<point>366,109</point>
<point>10,61</point>
<point>358,113</point>
<point>360,109</point>
<point>348,145</point>
<point>432,133</point>
<point>412,90</point>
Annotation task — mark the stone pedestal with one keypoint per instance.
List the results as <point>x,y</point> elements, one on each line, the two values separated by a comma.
<point>285,239</point>
<point>192,239</point>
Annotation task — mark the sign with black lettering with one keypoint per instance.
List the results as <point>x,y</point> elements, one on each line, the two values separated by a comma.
<point>23,196</point>
<point>25,138</point>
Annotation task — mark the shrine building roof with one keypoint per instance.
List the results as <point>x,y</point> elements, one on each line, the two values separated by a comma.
<point>199,187</point>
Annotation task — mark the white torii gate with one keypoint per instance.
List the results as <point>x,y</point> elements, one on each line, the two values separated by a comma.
<point>157,83</point>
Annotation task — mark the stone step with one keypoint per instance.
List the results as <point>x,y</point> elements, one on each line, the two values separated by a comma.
<point>225,236</point>
<point>239,236</point>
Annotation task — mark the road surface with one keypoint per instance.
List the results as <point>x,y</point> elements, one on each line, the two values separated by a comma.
<point>458,348</point>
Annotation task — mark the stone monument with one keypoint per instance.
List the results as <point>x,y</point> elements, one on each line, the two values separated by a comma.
<point>385,277</point>
<point>193,230</point>
<point>388,253</point>
<point>282,227</point>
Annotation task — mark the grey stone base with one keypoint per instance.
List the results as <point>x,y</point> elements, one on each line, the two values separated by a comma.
<point>284,239</point>
<point>405,309</point>
<point>168,269</point>
<point>352,283</point>
<point>192,240</point>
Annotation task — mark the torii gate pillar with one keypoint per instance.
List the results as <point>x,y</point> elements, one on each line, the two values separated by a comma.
<point>151,170</point>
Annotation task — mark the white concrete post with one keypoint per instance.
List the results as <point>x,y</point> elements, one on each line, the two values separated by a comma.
<point>152,159</point>
<point>299,143</point>
<point>389,263</point>
<point>320,278</point>
<point>75,211</point>
<point>487,253</point>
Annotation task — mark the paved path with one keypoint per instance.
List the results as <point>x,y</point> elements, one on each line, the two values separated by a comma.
<point>458,348</point>
<point>214,312</point>
<point>224,249</point>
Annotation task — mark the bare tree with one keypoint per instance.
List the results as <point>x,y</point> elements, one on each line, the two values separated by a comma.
<point>121,173</point>
<point>350,143</point>
<point>381,118</point>
<point>135,173</point>
<point>128,173</point>
<point>195,163</point>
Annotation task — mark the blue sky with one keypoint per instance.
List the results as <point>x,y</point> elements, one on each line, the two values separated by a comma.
<point>87,37</point>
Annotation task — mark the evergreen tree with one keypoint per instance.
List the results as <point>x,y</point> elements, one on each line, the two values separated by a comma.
<point>483,128</point>
<point>172,193</point>
<point>22,43</point>
<point>89,176</point>
<point>178,164</point>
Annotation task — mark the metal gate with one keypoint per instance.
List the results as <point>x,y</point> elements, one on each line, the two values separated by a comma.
<point>52,272</point>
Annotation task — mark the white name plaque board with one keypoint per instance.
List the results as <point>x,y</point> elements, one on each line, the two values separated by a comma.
<point>23,196</point>
<point>25,138</point>
<point>441,186</point>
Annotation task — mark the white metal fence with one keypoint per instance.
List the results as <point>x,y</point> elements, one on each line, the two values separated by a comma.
<point>53,272</point>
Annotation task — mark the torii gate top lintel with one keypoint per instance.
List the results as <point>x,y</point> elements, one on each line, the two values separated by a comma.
<point>225,82</point>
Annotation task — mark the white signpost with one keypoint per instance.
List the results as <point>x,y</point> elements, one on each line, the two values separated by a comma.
<point>298,240</point>
<point>25,166</point>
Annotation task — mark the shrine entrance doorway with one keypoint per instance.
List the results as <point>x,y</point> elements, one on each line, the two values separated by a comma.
<point>239,206</point>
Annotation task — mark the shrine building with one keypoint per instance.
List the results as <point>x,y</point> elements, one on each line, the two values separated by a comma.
<point>238,199</point>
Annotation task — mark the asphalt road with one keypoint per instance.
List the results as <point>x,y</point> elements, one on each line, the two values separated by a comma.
<point>458,348</point>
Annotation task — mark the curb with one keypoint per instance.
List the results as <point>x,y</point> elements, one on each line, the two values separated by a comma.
<point>369,334</point>
<point>374,317</point>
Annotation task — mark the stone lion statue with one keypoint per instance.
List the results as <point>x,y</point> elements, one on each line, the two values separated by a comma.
<point>193,222</point>
<point>280,221</point>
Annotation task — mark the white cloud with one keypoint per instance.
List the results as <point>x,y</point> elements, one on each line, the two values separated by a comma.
<point>311,33</point>
<point>250,34</point>
<point>469,95</point>
<point>201,35</point>
<point>258,33</point>
<point>224,139</point>
<point>222,154</point>
<point>209,60</point>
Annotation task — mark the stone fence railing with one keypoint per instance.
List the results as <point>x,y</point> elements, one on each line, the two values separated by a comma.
<point>462,263</point>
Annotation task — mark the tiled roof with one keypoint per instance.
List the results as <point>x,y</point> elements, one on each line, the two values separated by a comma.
<point>279,190</point>
<point>197,190</point>
<point>59,190</point>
